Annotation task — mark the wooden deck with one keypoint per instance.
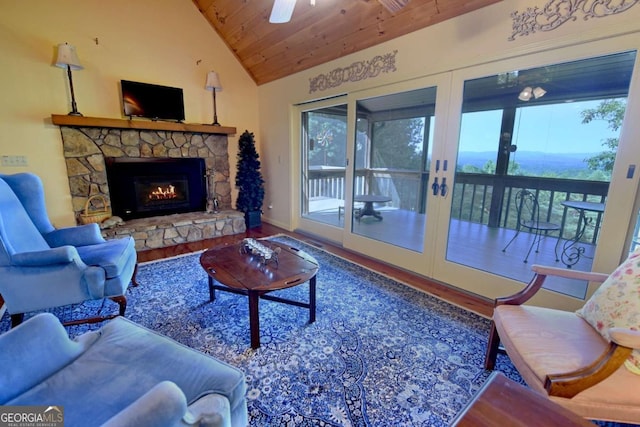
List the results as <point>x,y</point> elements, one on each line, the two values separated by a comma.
<point>470,244</point>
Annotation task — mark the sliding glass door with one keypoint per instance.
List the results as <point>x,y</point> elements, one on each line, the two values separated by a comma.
<point>434,175</point>
<point>323,163</point>
<point>394,136</point>
<point>534,167</point>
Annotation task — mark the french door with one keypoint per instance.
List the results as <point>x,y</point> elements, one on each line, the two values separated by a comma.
<point>424,174</point>
<point>395,131</point>
<point>554,131</point>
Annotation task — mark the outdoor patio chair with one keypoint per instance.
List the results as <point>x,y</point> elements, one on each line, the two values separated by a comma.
<point>528,218</point>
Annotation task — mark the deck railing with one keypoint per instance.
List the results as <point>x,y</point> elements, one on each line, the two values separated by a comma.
<point>479,198</point>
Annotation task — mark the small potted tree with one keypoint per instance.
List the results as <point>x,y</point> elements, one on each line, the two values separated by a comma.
<point>249,181</point>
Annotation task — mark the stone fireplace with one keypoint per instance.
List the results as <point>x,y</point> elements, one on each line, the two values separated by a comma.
<point>89,144</point>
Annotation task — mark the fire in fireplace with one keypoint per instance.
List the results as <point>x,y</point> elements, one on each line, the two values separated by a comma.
<point>141,187</point>
<point>160,193</point>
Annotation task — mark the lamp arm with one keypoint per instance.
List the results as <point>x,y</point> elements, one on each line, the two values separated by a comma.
<point>215,109</point>
<point>74,107</point>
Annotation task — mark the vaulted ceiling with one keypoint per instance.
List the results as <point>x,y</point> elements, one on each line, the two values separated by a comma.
<point>317,34</point>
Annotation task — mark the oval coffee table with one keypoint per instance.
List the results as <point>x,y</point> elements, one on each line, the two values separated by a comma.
<point>230,269</point>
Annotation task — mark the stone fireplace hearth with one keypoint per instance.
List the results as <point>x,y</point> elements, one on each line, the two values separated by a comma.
<point>88,141</point>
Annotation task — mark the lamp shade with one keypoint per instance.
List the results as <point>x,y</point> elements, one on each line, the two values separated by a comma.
<point>213,81</point>
<point>539,92</point>
<point>67,56</point>
<point>525,94</point>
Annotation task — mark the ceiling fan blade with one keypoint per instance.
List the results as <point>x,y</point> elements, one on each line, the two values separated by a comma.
<point>393,6</point>
<point>282,11</point>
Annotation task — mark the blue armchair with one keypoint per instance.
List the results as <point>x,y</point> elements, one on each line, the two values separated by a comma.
<point>118,376</point>
<point>42,267</point>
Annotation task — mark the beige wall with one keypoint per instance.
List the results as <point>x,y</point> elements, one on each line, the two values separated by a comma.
<point>164,42</point>
<point>472,39</point>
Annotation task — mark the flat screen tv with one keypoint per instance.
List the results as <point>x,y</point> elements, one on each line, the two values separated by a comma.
<point>151,101</point>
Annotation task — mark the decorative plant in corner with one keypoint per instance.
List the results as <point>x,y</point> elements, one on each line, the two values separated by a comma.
<point>249,181</point>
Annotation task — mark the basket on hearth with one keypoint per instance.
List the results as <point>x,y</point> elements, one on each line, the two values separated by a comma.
<point>92,214</point>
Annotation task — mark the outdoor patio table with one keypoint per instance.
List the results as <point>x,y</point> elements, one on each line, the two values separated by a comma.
<point>369,200</point>
<point>571,251</point>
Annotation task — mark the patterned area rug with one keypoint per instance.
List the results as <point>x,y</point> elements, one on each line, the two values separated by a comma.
<point>379,354</point>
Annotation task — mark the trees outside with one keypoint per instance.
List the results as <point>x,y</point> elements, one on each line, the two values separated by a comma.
<point>398,144</point>
<point>612,111</point>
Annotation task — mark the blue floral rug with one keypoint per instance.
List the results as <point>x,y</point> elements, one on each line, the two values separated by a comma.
<point>379,354</point>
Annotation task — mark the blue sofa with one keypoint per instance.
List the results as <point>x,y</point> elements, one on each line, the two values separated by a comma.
<point>120,375</point>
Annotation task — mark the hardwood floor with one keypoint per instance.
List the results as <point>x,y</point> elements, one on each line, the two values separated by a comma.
<point>477,304</point>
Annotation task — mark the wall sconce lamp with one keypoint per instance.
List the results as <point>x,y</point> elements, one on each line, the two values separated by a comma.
<point>538,92</point>
<point>68,58</point>
<point>527,93</point>
<point>213,84</point>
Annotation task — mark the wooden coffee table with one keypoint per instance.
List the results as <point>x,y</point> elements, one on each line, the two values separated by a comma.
<point>231,270</point>
<point>501,402</point>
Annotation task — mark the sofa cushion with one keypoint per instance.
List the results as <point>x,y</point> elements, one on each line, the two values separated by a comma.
<point>616,304</point>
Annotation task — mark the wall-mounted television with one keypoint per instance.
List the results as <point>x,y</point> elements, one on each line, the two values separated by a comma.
<point>151,101</point>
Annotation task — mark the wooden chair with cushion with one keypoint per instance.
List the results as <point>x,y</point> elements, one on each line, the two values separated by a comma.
<point>587,361</point>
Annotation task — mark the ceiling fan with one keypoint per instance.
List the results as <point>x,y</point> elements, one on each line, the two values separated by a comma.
<point>283,9</point>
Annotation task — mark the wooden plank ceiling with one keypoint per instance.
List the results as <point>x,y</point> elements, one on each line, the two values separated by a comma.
<point>317,34</point>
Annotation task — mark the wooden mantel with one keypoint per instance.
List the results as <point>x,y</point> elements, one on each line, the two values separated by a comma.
<point>81,121</point>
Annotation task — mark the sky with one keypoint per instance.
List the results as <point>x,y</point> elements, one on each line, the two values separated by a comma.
<point>556,128</point>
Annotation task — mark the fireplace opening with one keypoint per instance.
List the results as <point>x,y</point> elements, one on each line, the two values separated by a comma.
<point>159,192</point>
<point>141,188</point>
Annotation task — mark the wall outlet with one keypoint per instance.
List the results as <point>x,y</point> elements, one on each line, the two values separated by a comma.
<point>14,161</point>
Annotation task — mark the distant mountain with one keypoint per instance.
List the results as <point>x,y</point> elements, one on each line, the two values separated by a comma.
<point>531,161</point>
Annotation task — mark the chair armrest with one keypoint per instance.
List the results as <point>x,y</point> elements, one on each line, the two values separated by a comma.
<point>163,405</point>
<point>61,255</point>
<point>166,405</point>
<point>211,410</point>
<point>81,235</point>
<point>569,273</point>
<point>571,383</point>
<point>625,337</point>
<point>541,274</point>
<point>33,351</point>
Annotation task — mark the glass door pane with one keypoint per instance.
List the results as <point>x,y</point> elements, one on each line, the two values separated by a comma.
<point>544,138</point>
<point>324,146</point>
<point>392,152</point>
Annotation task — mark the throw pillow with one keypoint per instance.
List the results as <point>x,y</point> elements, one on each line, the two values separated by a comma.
<point>616,303</point>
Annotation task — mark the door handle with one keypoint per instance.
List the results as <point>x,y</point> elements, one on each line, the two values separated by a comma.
<point>435,186</point>
<point>443,187</point>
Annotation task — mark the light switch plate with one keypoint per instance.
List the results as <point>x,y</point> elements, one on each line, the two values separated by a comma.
<point>14,161</point>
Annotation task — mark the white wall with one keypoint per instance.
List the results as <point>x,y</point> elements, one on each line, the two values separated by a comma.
<point>165,42</point>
